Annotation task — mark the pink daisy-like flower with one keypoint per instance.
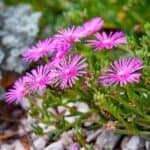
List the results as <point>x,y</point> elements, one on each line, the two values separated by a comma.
<point>90,27</point>
<point>59,56</point>
<point>107,41</point>
<point>17,92</point>
<point>69,70</point>
<point>69,34</point>
<point>59,44</point>
<point>41,49</point>
<point>39,78</point>
<point>122,72</point>
<point>62,48</point>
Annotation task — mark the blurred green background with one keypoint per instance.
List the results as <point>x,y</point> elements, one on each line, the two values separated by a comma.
<point>128,15</point>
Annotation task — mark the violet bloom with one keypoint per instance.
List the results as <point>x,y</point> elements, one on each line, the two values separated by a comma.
<point>75,147</point>
<point>122,72</point>
<point>39,78</point>
<point>59,44</point>
<point>41,49</point>
<point>17,92</point>
<point>69,34</point>
<point>107,41</point>
<point>59,56</point>
<point>69,70</point>
<point>90,27</point>
<point>62,48</point>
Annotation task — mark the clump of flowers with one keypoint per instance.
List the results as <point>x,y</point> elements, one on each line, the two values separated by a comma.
<point>72,72</point>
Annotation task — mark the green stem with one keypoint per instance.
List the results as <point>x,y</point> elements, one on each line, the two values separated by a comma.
<point>127,132</point>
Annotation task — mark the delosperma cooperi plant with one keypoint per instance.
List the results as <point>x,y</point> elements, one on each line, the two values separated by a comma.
<point>87,61</point>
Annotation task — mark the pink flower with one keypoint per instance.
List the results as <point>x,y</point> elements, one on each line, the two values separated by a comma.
<point>69,70</point>
<point>59,56</point>
<point>69,34</point>
<point>107,41</point>
<point>90,27</point>
<point>74,147</point>
<point>61,47</point>
<point>41,49</point>
<point>122,72</point>
<point>59,44</point>
<point>39,78</point>
<point>17,92</point>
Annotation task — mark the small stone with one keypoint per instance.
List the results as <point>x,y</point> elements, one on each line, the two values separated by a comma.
<point>66,138</point>
<point>91,119</point>
<point>82,107</point>
<point>135,143</point>
<point>71,119</point>
<point>124,142</point>
<point>40,143</point>
<point>18,146</point>
<point>14,63</point>
<point>10,40</point>
<point>25,104</point>
<point>93,135</point>
<point>27,123</point>
<point>107,140</point>
<point>98,147</point>
<point>147,145</point>
<point>5,147</point>
<point>47,128</point>
<point>55,146</point>
<point>2,92</point>
<point>2,55</point>
<point>79,106</point>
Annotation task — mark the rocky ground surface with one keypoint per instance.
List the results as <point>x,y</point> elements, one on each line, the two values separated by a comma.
<point>16,134</point>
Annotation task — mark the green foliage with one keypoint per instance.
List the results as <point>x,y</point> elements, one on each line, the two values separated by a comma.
<point>129,15</point>
<point>128,106</point>
<point>37,130</point>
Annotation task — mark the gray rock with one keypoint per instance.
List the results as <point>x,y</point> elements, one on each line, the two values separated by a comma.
<point>107,140</point>
<point>20,27</point>
<point>55,146</point>
<point>93,135</point>
<point>40,143</point>
<point>24,20</point>
<point>147,145</point>
<point>27,123</point>
<point>67,138</point>
<point>46,128</point>
<point>5,147</point>
<point>1,56</point>
<point>18,30</point>
<point>124,142</point>
<point>135,143</point>
<point>80,106</point>
<point>2,92</point>
<point>25,104</point>
<point>18,146</point>
<point>14,65</point>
